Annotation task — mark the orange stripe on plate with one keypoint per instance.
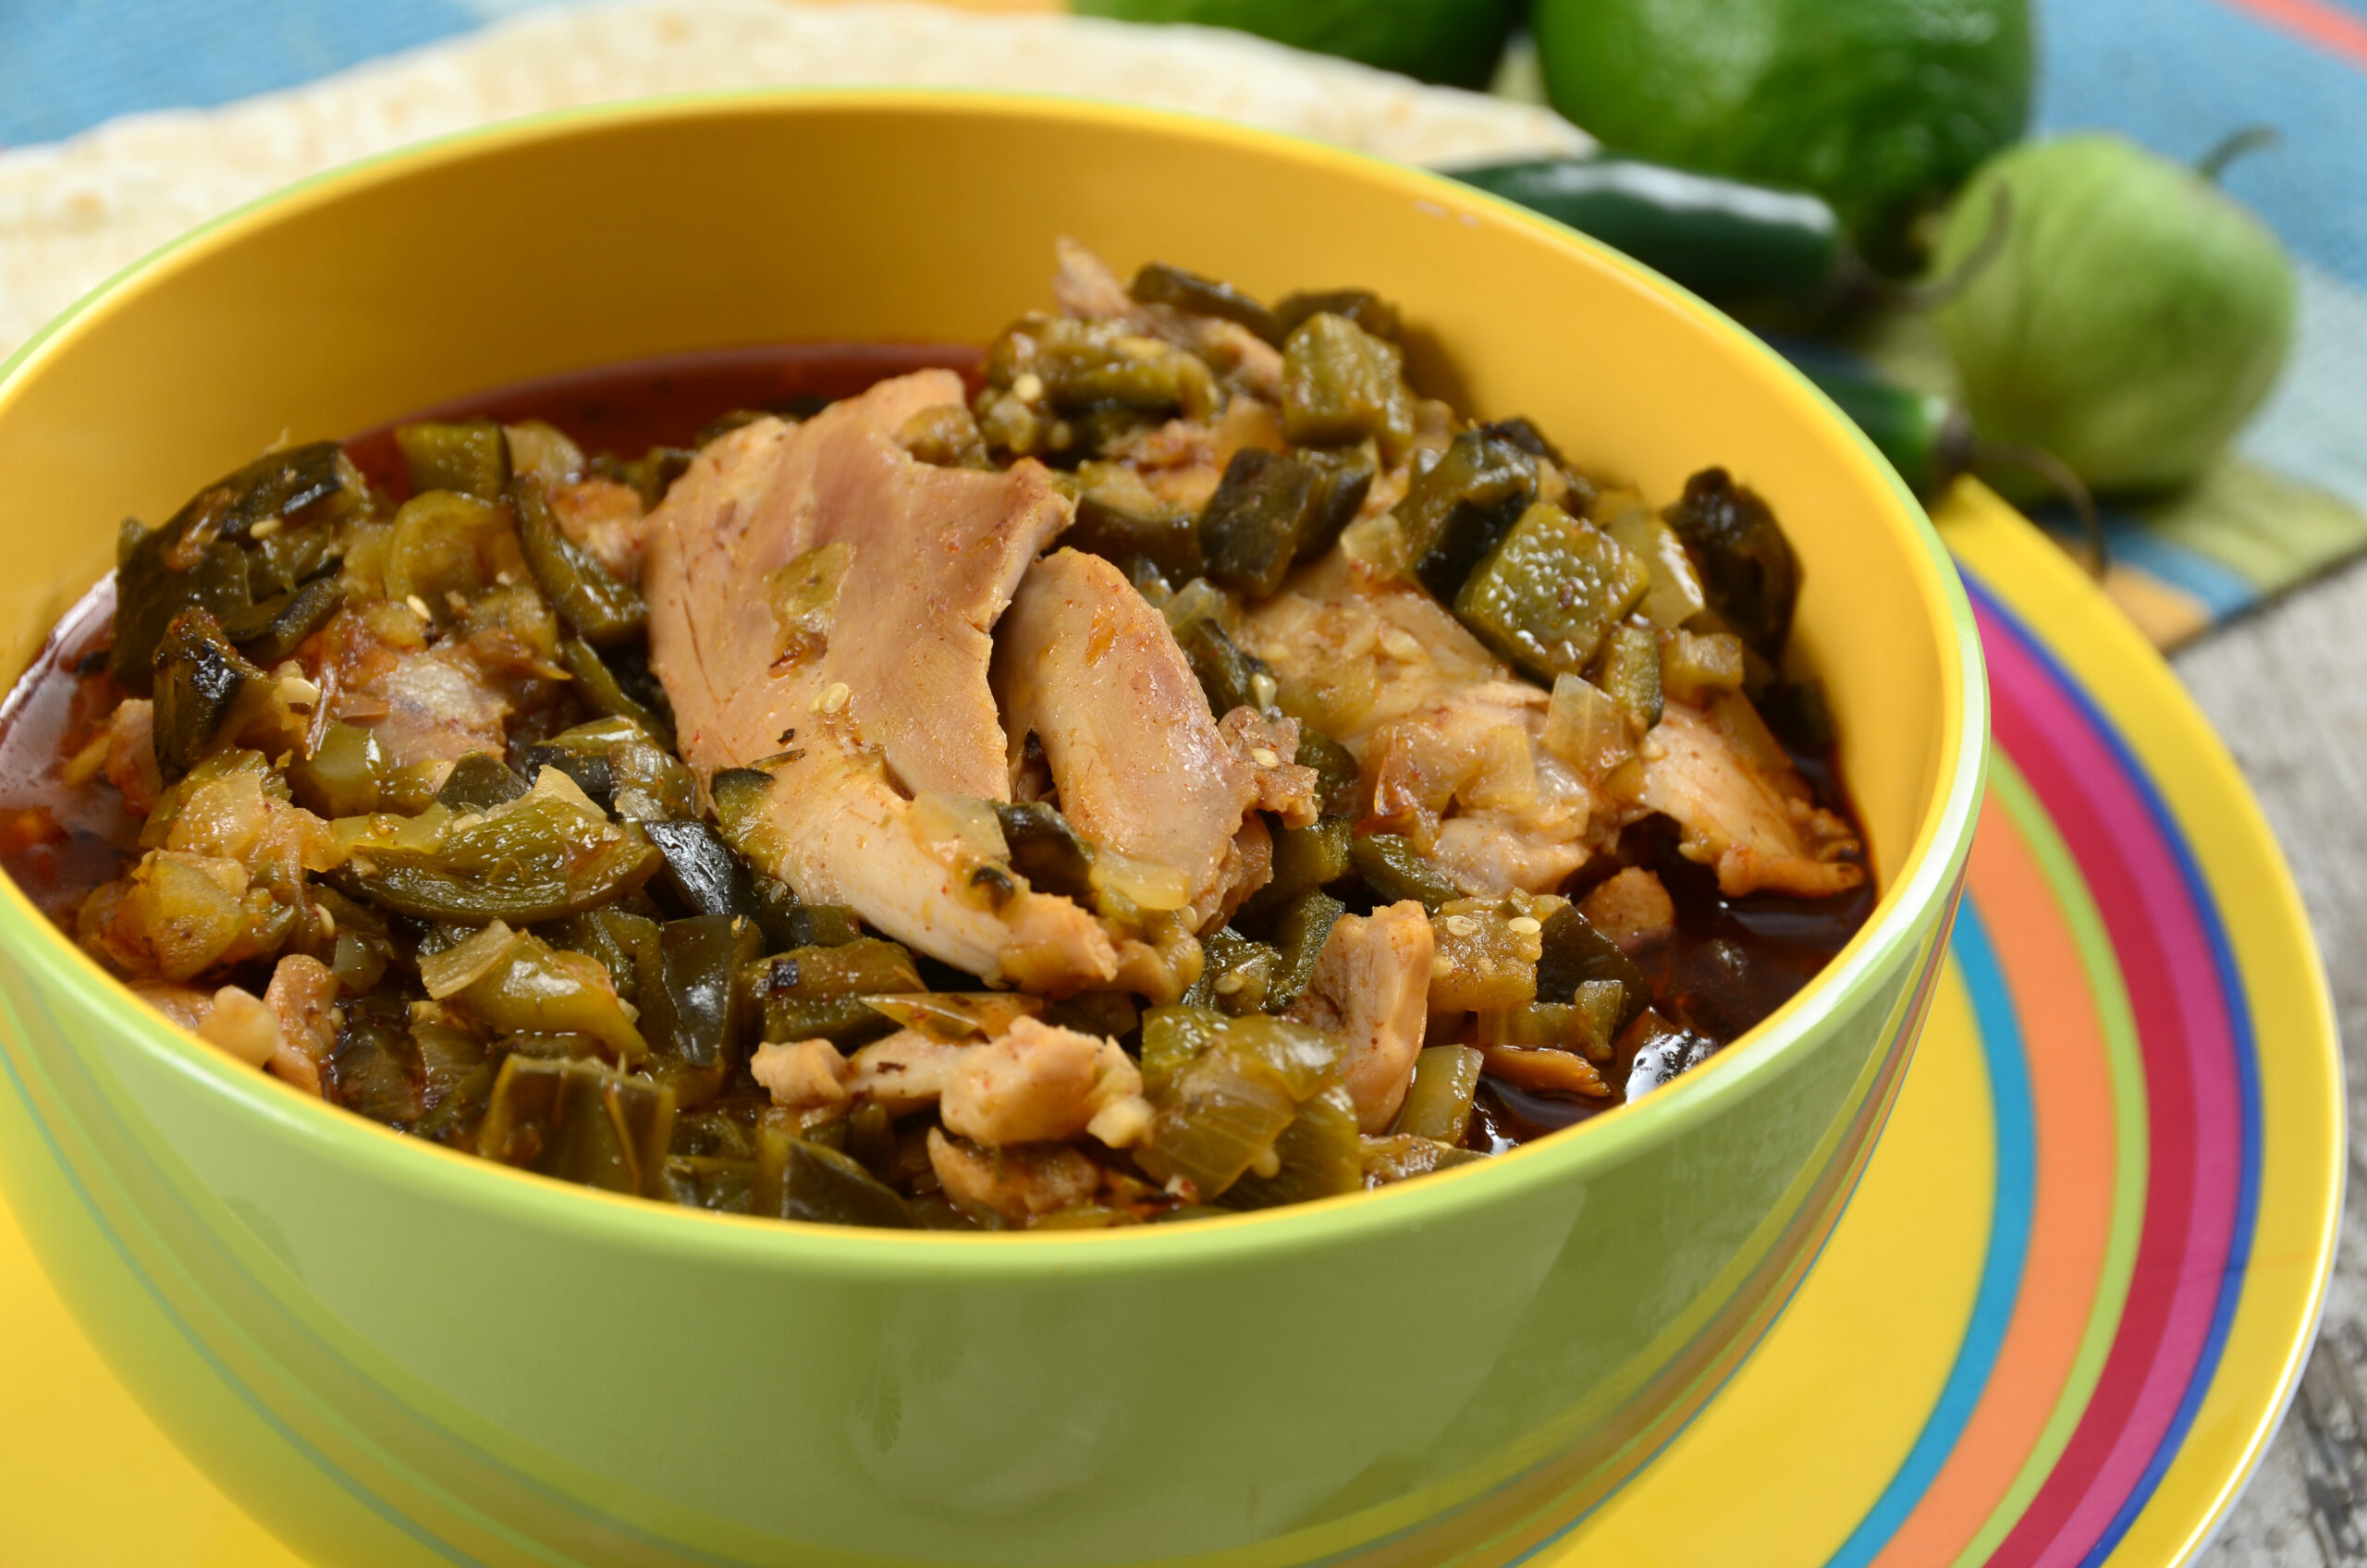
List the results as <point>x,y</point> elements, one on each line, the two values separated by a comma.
<point>2072,1218</point>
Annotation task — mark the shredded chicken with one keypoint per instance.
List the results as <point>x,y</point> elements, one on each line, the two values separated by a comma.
<point>1039,1083</point>
<point>302,998</point>
<point>1445,739</point>
<point>1088,666</point>
<point>1016,1183</point>
<point>131,755</point>
<point>1371,986</point>
<point>803,1075</point>
<point>1632,908</point>
<point>606,519</point>
<point>1744,808</point>
<point>241,1025</point>
<point>892,699</point>
<point>904,1073</point>
<point>423,703</point>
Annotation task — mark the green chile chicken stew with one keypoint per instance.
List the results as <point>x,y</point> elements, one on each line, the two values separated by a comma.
<point>1165,767</point>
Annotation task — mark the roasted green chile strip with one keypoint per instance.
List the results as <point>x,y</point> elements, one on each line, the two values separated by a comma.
<point>696,1015</point>
<point>603,611</point>
<point>800,1179</point>
<point>1272,509</point>
<point>534,860</point>
<point>198,679</point>
<point>581,1123</point>
<point>1047,851</point>
<point>1160,284</point>
<point>1576,952</point>
<point>1453,514</point>
<point>1393,869</point>
<point>468,456</point>
<point>1747,568</point>
<point>274,630</point>
<point>1548,592</point>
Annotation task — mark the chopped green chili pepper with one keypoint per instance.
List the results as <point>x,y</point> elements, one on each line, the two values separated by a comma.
<point>719,1185</point>
<point>196,560</point>
<point>1628,672</point>
<point>1234,975</point>
<point>817,993</point>
<point>344,777</point>
<point>598,686</point>
<point>1747,568</point>
<point>1228,676</point>
<point>1159,284</point>
<point>371,1069</point>
<point>1318,1156</point>
<point>1549,591</point>
<point>1393,869</point>
<point>1272,509</point>
<point>1121,519</point>
<point>798,1179</point>
<point>272,629</point>
<point>1305,859</point>
<point>1335,771</point>
<point>479,781</point>
<point>1362,306</point>
<point>581,1123</point>
<point>535,858</point>
<point>468,456</point>
<point>1577,953</point>
<point>1439,1100</point>
<point>198,679</point>
<point>1300,931</point>
<point>696,1013</point>
<point>1047,851</point>
<point>1341,385</point>
<point>702,871</point>
<point>603,611</point>
<point>1455,512</point>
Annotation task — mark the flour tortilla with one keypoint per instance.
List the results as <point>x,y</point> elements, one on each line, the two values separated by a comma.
<point>73,213</point>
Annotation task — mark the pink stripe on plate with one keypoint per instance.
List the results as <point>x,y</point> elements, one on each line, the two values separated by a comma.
<point>2192,1090</point>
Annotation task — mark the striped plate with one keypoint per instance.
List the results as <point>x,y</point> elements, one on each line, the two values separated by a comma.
<point>2069,1299</point>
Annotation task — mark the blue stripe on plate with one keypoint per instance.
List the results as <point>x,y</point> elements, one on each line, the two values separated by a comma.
<point>2008,1250</point>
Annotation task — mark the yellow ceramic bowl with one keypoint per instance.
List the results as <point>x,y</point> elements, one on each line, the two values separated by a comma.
<point>393,1355</point>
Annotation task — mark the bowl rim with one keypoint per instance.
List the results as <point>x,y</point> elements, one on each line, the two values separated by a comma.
<point>1928,870</point>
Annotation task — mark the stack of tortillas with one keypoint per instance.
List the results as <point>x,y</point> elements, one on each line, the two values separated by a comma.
<point>71,214</point>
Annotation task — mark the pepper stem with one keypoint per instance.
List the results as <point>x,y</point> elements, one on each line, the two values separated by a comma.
<point>1938,291</point>
<point>2063,482</point>
<point>2251,138</point>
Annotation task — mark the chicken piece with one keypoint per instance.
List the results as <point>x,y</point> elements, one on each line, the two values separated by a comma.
<point>1040,1083</point>
<point>1088,666</point>
<point>1446,741</point>
<point>1015,1183</point>
<point>901,569</point>
<point>1632,908</point>
<point>606,519</point>
<point>423,703</point>
<point>1371,986</point>
<point>132,756</point>
<point>185,1005</point>
<point>302,998</point>
<point>241,1025</point>
<point>805,1075</point>
<point>904,1073</point>
<point>1084,286</point>
<point>1269,749</point>
<point>1743,806</point>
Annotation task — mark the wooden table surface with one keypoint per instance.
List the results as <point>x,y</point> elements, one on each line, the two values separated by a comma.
<point>2285,688</point>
